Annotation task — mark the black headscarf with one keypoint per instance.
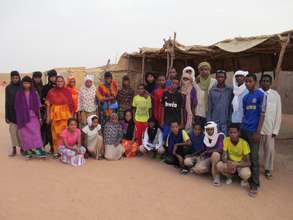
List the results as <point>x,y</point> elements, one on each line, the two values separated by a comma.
<point>152,132</point>
<point>39,86</point>
<point>150,87</point>
<point>130,126</point>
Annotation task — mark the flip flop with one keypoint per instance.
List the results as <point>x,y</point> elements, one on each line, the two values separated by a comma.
<point>252,193</point>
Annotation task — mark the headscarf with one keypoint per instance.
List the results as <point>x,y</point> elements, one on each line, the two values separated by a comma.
<point>39,86</point>
<point>73,91</point>
<point>204,83</point>
<point>186,87</point>
<point>128,126</point>
<point>152,132</point>
<point>211,141</point>
<point>90,120</point>
<point>150,87</point>
<point>15,73</point>
<point>22,107</point>
<point>238,90</point>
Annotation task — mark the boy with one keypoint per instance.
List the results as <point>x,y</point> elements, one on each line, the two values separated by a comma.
<point>124,97</point>
<point>172,107</point>
<point>172,75</point>
<point>235,156</point>
<point>219,102</point>
<point>142,106</point>
<point>157,99</point>
<point>272,122</point>
<point>250,127</point>
<point>10,114</point>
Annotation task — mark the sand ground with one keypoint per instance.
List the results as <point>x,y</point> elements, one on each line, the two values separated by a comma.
<point>139,188</point>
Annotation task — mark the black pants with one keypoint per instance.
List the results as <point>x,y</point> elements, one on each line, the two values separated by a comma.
<point>182,151</point>
<point>254,158</point>
<point>46,134</point>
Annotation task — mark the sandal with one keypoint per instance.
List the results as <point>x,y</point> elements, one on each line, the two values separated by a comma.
<point>184,171</point>
<point>217,181</point>
<point>268,175</point>
<point>252,193</point>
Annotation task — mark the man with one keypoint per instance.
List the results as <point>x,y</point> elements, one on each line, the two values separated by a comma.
<point>10,114</point>
<point>239,91</point>
<point>235,158</point>
<point>172,75</point>
<point>219,102</point>
<point>272,122</point>
<point>142,105</point>
<point>157,99</point>
<point>203,85</point>
<point>172,107</point>
<point>250,127</point>
<point>46,128</point>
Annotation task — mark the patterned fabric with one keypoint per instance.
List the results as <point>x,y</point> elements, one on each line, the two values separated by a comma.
<point>124,98</point>
<point>112,133</point>
<point>130,147</point>
<point>71,157</point>
<point>87,99</point>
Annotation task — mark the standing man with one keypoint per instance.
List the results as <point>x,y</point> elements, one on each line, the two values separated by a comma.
<point>272,122</point>
<point>239,91</point>
<point>219,102</point>
<point>203,85</point>
<point>251,126</point>
<point>10,114</point>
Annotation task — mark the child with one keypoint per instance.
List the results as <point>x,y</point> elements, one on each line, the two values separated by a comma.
<point>71,86</point>
<point>142,105</point>
<point>152,139</point>
<point>92,138</point>
<point>157,99</point>
<point>172,75</point>
<point>70,149</point>
<point>150,80</point>
<point>27,107</point>
<point>128,141</point>
<point>124,97</point>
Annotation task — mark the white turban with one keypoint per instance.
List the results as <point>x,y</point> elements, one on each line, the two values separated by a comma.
<point>89,77</point>
<point>211,140</point>
<point>192,72</point>
<point>90,120</point>
<point>238,90</point>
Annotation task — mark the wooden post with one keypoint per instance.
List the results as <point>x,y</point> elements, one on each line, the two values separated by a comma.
<point>143,68</point>
<point>173,51</point>
<point>280,61</point>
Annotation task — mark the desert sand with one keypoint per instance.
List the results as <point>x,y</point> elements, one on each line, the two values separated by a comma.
<point>139,188</point>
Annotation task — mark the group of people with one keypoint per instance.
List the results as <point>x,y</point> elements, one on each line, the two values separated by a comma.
<point>193,121</point>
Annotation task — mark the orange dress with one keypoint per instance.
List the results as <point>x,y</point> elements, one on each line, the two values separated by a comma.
<point>74,94</point>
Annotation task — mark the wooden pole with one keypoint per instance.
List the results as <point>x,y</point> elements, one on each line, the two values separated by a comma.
<point>143,68</point>
<point>173,51</point>
<point>280,61</point>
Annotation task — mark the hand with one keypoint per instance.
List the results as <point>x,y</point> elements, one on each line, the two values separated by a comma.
<point>274,135</point>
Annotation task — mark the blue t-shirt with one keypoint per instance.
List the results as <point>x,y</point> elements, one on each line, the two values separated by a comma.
<point>252,109</point>
<point>197,141</point>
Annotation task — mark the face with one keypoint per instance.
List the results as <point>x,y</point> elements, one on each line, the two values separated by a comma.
<point>175,85</point>
<point>197,130</point>
<point>240,79</point>
<point>151,124</point>
<point>210,131</point>
<point>125,83</point>
<point>234,134</point>
<point>162,81</point>
<point>26,85</point>
<point>52,79</point>
<point>88,83</point>
<point>72,82</point>
<point>150,78</point>
<point>15,79</point>
<point>266,83</point>
<point>140,90</point>
<point>115,119</point>
<point>37,80</point>
<point>95,122</point>
<point>186,80</point>
<point>172,73</point>
<point>221,78</point>
<point>204,71</point>
<point>108,80</point>
<point>128,116</point>
<point>175,128</point>
<point>60,82</point>
<point>250,83</point>
<point>72,125</point>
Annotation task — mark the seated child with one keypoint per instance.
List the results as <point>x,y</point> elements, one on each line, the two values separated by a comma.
<point>92,138</point>
<point>70,149</point>
<point>152,139</point>
<point>235,158</point>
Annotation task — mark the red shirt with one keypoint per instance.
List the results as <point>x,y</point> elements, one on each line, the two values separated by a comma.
<point>157,104</point>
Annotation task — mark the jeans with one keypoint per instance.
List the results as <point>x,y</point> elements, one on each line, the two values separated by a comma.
<point>254,158</point>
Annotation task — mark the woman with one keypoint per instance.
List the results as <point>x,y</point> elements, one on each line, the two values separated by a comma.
<point>93,140</point>
<point>70,149</point>
<point>71,82</point>
<point>87,100</point>
<point>112,137</point>
<point>188,92</point>
<point>150,81</point>
<point>152,138</point>
<point>37,82</point>
<point>59,110</point>
<point>27,107</point>
<point>106,94</point>
<point>128,141</point>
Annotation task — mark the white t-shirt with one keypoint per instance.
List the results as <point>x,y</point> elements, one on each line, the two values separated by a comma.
<point>91,135</point>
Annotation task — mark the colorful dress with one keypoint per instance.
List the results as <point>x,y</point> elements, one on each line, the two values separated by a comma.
<point>61,109</point>
<point>70,156</point>
<point>74,94</point>
<point>124,98</point>
<point>128,143</point>
<point>27,106</point>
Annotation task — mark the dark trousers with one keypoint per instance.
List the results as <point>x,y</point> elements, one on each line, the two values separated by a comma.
<point>254,158</point>
<point>182,151</point>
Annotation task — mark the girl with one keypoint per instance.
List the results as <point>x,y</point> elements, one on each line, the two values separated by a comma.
<point>152,138</point>
<point>59,110</point>
<point>93,140</point>
<point>70,149</point>
<point>112,137</point>
<point>27,107</point>
<point>71,86</point>
<point>150,83</point>
<point>128,127</point>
